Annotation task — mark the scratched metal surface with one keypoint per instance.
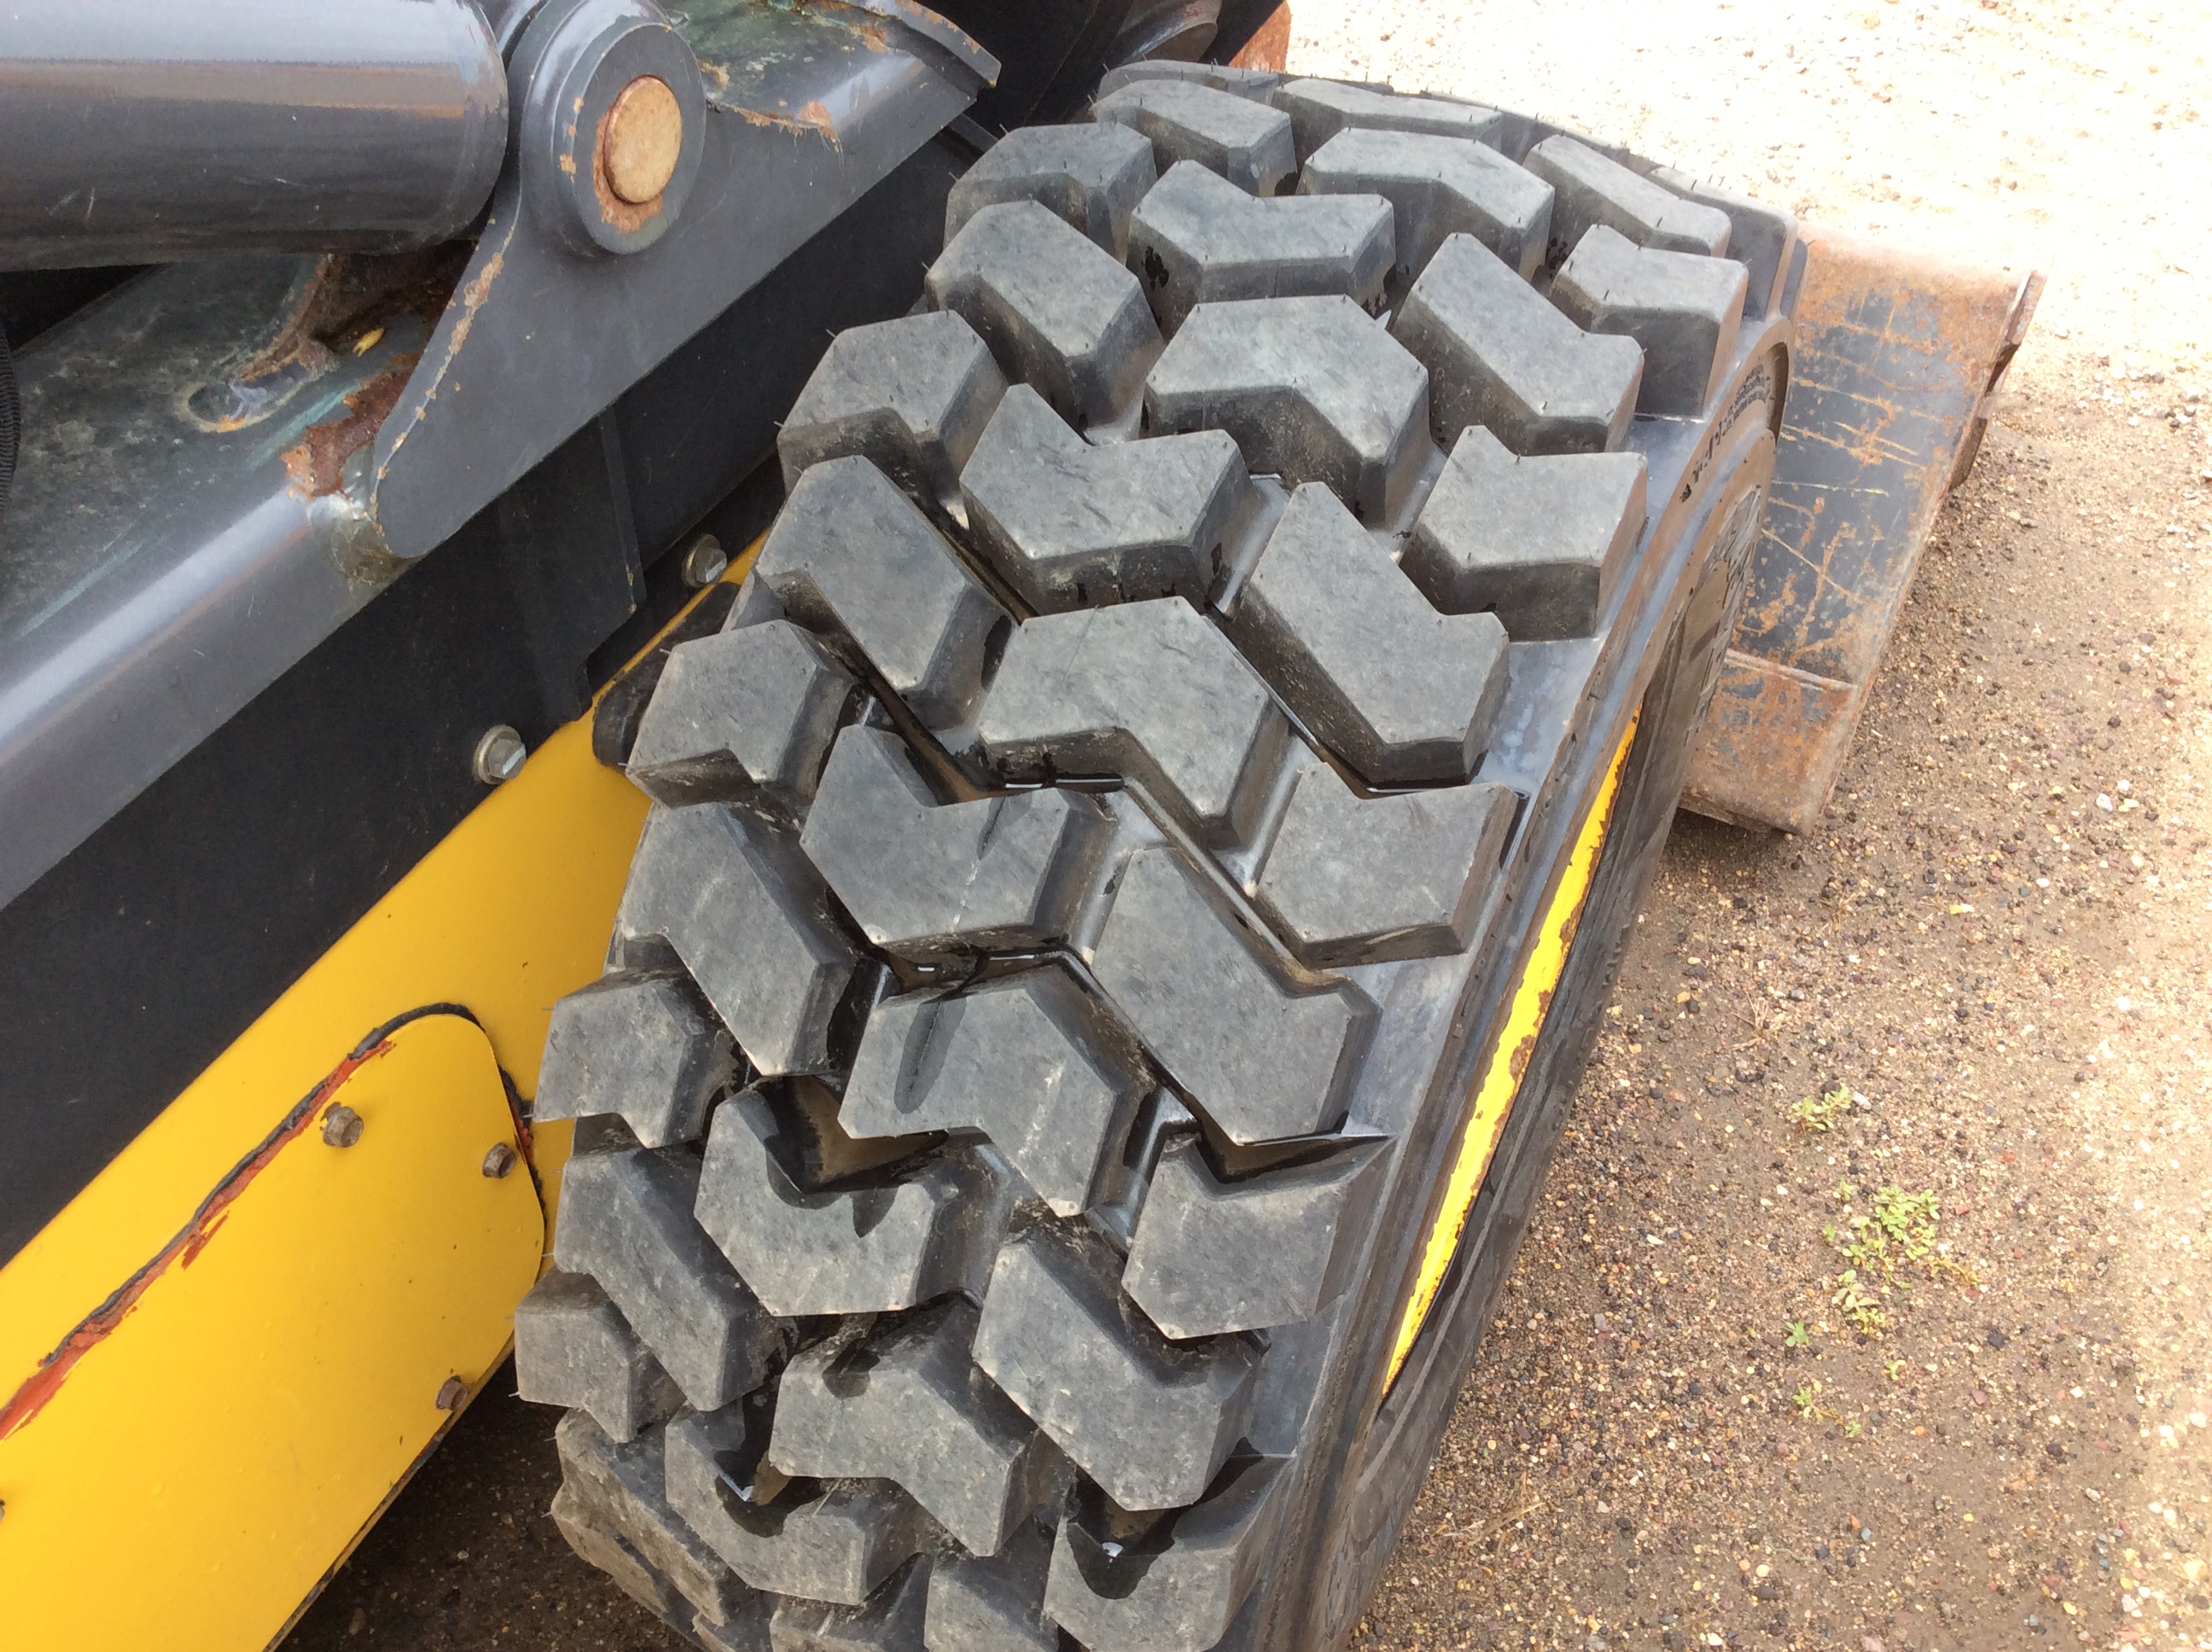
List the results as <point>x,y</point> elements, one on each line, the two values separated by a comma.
<point>1894,356</point>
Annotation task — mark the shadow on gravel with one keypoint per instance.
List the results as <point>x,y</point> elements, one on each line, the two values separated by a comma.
<point>468,1558</point>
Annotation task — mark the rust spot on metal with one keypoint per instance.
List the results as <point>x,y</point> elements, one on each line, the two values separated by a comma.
<point>317,460</point>
<point>1897,358</point>
<point>39,1389</point>
<point>1269,47</point>
<point>342,307</point>
<point>628,216</point>
<point>472,299</point>
<point>812,119</point>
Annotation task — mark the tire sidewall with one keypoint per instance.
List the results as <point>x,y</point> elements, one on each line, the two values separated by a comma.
<point>1365,1452</point>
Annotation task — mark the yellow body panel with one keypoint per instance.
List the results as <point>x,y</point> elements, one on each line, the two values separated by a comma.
<point>509,912</point>
<point>223,1357</point>
<point>1501,1079</point>
<point>208,1445</point>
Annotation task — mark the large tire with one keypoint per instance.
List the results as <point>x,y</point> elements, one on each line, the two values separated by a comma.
<point>1134,883</point>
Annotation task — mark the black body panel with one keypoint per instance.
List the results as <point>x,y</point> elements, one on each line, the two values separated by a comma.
<point>134,963</point>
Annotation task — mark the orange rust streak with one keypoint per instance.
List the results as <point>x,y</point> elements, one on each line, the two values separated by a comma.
<point>43,1384</point>
<point>1270,44</point>
<point>316,461</point>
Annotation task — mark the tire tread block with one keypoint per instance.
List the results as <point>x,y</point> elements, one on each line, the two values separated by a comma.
<point>995,1604</point>
<point>1540,542</point>
<point>1060,313</point>
<point>924,878</point>
<point>741,714</point>
<point>907,1404</point>
<point>1439,186</point>
<point>621,1485</point>
<point>1312,389</point>
<point>1261,1058</point>
<point>572,1348</point>
<point>1683,308</point>
<point>1091,174</point>
<point>1502,357</point>
<point>852,556</point>
<point>1027,1058</point>
<point>1068,524</point>
<point>911,395</point>
<point>1211,1257</point>
<point>1178,1595</point>
<point>1197,238</point>
<point>644,1046</point>
<point>867,1249</point>
<point>1149,1420</point>
<point>626,1220</point>
<point>1147,691</point>
<point>1319,110</point>
<point>889,1621</point>
<point>1257,84</point>
<point>750,921</point>
<point>1761,238</point>
<point>1595,189</point>
<point>1244,141</point>
<point>1354,880</point>
<point>1402,693</point>
<point>596,1542</point>
<point>835,1542</point>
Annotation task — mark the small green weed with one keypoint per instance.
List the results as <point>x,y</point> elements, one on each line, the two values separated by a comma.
<point>1881,1249</point>
<point>1859,1304</point>
<point>1819,1116</point>
<point>1796,1336</point>
<point>1894,1369</point>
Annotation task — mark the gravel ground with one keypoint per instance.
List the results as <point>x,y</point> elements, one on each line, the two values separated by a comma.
<point>1677,1434</point>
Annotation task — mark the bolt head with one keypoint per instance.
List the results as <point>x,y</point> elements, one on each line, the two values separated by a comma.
<point>451,1392</point>
<point>704,562</point>
<point>499,755</point>
<point>341,1126</point>
<point>499,1161</point>
<point>642,140</point>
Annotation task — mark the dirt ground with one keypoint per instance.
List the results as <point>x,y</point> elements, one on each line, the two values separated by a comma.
<point>1688,1427</point>
<point>1675,1434</point>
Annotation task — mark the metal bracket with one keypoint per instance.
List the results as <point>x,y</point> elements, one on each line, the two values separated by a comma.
<point>788,115</point>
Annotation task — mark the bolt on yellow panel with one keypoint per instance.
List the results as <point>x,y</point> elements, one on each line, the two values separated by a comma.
<point>510,911</point>
<point>207,1442</point>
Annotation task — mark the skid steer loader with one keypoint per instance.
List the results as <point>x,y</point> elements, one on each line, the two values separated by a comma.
<point>919,740</point>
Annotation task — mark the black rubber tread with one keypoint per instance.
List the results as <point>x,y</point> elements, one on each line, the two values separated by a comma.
<point>1197,238</point>
<point>1437,186</point>
<point>1244,140</point>
<point>1592,189</point>
<point>1319,110</point>
<point>1074,1173</point>
<point>1091,175</point>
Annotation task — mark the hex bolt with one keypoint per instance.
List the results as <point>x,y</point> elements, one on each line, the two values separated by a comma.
<point>341,1126</point>
<point>642,140</point>
<point>499,1161</point>
<point>499,755</point>
<point>451,1392</point>
<point>704,562</point>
